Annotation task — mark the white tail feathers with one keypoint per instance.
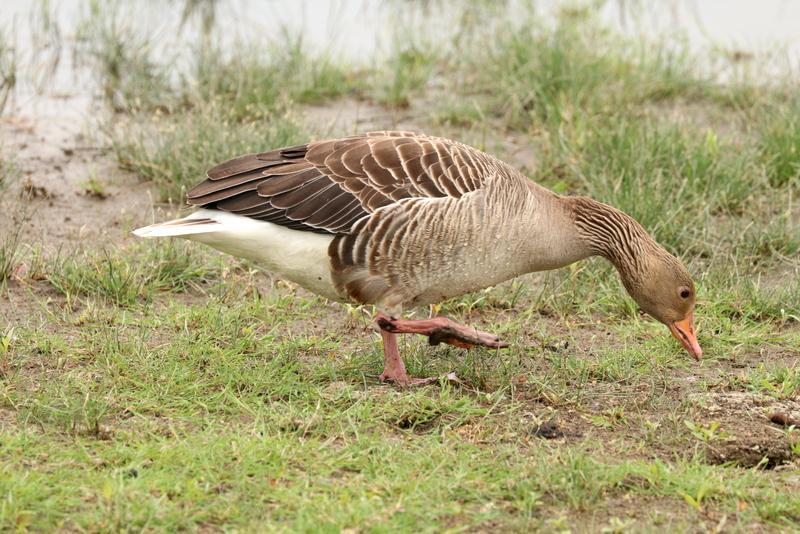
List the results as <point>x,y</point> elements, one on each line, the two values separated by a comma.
<point>299,256</point>
<point>179,227</point>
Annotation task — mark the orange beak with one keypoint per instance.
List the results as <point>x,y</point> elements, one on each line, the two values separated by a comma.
<point>684,332</point>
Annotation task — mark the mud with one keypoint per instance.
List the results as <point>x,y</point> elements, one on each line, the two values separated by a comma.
<point>55,157</point>
<point>746,436</point>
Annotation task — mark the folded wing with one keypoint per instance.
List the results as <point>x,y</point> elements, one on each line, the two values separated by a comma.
<point>327,186</point>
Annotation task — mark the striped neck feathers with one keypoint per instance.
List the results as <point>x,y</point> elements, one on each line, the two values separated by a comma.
<point>616,236</point>
<point>658,282</point>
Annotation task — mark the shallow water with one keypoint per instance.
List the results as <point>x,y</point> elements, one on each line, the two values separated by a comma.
<point>360,30</point>
<point>358,27</point>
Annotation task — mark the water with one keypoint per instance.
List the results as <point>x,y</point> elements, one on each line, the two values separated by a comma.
<point>361,30</point>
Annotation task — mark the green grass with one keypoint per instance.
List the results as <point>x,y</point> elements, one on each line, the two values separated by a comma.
<point>9,254</point>
<point>264,76</point>
<point>535,74</point>
<point>778,381</point>
<point>779,143</point>
<point>175,151</point>
<point>243,473</point>
<point>406,72</point>
<point>121,56</point>
<point>135,73</point>
<point>10,238</point>
<point>158,385</point>
<point>210,415</point>
<point>124,277</point>
<point>671,179</point>
<point>8,68</point>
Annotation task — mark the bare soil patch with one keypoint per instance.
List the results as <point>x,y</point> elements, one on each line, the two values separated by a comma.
<point>746,436</point>
<point>58,160</point>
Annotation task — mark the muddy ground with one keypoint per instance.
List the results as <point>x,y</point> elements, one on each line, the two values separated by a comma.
<point>57,155</point>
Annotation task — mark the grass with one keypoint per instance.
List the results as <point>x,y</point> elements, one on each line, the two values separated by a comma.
<point>232,411</point>
<point>9,254</point>
<point>244,472</point>
<point>121,55</point>
<point>10,239</point>
<point>407,71</point>
<point>207,415</point>
<point>135,73</point>
<point>174,151</point>
<point>112,276</point>
<point>669,178</point>
<point>535,74</point>
<point>779,144</point>
<point>158,385</point>
<point>266,76</point>
<point>8,69</point>
<point>779,381</point>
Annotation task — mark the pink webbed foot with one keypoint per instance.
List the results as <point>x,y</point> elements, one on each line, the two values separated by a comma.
<point>441,330</point>
<point>406,381</point>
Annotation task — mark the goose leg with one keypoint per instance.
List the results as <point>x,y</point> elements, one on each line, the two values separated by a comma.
<point>440,330</point>
<point>394,370</point>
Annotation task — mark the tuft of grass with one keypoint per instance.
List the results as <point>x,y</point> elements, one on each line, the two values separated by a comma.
<point>671,179</point>
<point>782,382</point>
<point>8,69</point>
<point>136,73</point>
<point>743,298</point>
<point>71,412</point>
<point>9,253</point>
<point>406,72</point>
<point>779,143</point>
<point>125,277</point>
<point>175,151</point>
<point>263,77</point>
<point>534,73</point>
<point>93,186</point>
<point>11,236</point>
<point>122,57</point>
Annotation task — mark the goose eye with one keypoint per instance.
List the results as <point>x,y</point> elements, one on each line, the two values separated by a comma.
<point>685,292</point>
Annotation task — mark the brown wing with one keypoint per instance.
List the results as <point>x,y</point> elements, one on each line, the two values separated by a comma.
<point>327,186</point>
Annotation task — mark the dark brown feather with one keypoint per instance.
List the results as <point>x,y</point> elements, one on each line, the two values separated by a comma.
<point>328,186</point>
<point>332,208</point>
<point>220,194</point>
<point>242,203</point>
<point>302,194</point>
<point>287,182</point>
<point>246,163</point>
<point>320,201</point>
<point>214,186</point>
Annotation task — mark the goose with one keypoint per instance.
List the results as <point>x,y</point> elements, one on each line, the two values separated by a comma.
<point>399,219</point>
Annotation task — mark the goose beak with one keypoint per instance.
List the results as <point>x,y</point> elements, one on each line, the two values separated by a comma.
<point>684,332</point>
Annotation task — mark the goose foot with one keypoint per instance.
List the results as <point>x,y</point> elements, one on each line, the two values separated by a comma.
<point>409,381</point>
<point>394,370</point>
<point>440,330</point>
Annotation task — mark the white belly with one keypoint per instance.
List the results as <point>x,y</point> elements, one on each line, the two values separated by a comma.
<point>301,257</point>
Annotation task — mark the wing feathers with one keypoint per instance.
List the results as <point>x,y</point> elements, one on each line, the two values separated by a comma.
<point>246,163</point>
<point>328,186</point>
<point>287,182</point>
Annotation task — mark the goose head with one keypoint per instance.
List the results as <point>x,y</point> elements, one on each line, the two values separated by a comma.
<point>664,290</point>
<point>657,280</point>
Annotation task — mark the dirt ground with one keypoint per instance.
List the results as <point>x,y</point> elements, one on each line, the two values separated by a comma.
<point>56,156</point>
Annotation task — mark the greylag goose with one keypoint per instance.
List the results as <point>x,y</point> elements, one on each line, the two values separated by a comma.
<point>398,219</point>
